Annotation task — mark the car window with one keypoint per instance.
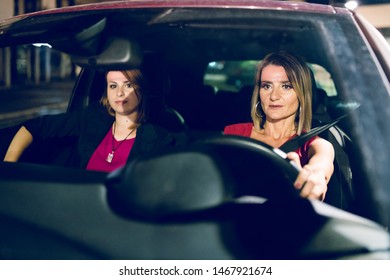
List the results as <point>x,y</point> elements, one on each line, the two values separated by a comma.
<point>45,78</point>
<point>323,79</point>
<point>232,75</point>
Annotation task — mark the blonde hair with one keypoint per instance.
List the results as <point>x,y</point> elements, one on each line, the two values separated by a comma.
<point>300,77</point>
<point>137,80</point>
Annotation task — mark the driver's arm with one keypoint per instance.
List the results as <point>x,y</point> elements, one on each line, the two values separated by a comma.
<point>321,157</point>
<point>313,178</point>
<point>19,144</point>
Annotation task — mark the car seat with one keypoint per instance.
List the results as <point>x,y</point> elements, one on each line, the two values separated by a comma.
<point>157,75</point>
<point>340,191</point>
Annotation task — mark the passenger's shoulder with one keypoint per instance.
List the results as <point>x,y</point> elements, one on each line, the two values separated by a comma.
<point>154,131</point>
<point>149,131</point>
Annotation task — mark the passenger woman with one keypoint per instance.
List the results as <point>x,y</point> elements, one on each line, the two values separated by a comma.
<point>108,135</point>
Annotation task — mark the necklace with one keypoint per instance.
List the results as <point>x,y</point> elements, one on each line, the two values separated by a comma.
<point>110,156</point>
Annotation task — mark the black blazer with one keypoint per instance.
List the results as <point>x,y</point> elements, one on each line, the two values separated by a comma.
<point>89,126</point>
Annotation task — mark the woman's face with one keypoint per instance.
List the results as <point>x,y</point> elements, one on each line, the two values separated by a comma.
<point>277,96</point>
<point>121,94</point>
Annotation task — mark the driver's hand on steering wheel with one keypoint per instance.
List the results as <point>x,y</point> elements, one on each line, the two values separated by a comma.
<point>310,181</point>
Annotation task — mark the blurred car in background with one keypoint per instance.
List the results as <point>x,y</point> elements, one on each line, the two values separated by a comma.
<point>204,200</point>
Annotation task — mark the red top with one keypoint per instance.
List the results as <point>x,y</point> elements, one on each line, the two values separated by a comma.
<point>245,129</point>
<point>98,160</point>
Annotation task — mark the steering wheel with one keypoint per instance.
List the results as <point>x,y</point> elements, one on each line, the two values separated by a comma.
<point>260,169</point>
<point>202,175</point>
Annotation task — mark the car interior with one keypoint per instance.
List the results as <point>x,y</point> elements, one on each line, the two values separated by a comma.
<point>179,54</point>
<point>181,100</point>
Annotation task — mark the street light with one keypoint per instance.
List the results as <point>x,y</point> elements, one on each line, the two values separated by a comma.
<point>351,4</point>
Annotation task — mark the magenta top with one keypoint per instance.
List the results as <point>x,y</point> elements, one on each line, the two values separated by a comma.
<point>99,159</point>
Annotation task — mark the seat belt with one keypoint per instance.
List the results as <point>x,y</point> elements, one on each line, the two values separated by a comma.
<point>296,142</point>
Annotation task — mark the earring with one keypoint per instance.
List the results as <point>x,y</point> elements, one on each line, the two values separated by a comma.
<point>298,114</point>
<point>257,110</point>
